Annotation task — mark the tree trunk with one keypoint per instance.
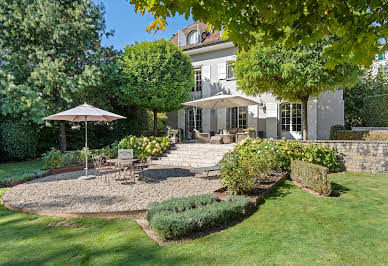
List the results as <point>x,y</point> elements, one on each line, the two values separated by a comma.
<point>155,123</point>
<point>304,118</point>
<point>62,136</point>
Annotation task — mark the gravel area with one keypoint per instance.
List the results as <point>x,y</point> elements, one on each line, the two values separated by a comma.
<point>64,193</point>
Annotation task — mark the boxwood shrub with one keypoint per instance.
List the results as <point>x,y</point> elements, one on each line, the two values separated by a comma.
<point>179,217</point>
<point>311,176</point>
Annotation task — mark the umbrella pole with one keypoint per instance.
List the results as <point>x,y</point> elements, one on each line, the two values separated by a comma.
<point>86,145</point>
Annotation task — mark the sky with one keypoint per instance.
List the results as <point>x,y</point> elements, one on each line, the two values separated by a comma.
<point>130,27</point>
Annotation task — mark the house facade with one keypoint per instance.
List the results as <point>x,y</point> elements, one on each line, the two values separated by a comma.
<point>212,59</point>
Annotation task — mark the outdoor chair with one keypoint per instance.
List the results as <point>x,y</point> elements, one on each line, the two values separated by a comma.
<point>125,154</point>
<point>103,170</point>
<point>202,137</point>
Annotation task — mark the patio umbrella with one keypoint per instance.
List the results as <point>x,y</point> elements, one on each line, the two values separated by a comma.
<point>222,101</point>
<point>85,113</point>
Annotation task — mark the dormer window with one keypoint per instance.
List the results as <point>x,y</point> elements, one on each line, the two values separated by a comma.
<point>193,37</point>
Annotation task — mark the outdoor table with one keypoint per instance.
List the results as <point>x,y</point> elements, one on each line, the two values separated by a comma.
<point>124,165</point>
<point>226,138</point>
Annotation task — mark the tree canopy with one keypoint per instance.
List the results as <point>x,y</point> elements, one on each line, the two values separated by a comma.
<point>292,74</point>
<point>360,24</point>
<point>51,57</point>
<point>155,75</point>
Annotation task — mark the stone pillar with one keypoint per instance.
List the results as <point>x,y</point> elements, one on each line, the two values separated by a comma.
<point>312,118</point>
<point>272,120</point>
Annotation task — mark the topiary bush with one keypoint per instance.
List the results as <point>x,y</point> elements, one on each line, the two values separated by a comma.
<point>176,218</point>
<point>17,140</point>
<point>311,176</point>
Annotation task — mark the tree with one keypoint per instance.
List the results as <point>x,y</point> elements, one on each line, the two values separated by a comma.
<point>51,57</point>
<point>356,114</point>
<point>292,74</point>
<point>360,24</point>
<point>155,75</point>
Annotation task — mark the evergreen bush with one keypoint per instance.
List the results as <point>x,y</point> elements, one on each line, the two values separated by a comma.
<point>311,176</point>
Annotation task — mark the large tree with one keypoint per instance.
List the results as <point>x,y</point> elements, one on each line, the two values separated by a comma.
<point>359,23</point>
<point>51,57</point>
<point>292,74</point>
<point>155,75</point>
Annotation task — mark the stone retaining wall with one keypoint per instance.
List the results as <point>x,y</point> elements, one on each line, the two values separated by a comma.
<point>361,156</point>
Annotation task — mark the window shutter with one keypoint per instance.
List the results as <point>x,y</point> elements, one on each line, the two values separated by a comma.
<point>181,38</point>
<point>206,73</point>
<point>222,71</point>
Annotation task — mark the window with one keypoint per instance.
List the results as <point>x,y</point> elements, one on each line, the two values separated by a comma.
<point>230,70</point>
<point>198,80</point>
<point>193,37</point>
<point>237,117</point>
<point>189,119</point>
<point>291,115</point>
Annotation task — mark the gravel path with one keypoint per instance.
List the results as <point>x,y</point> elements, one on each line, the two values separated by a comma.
<point>64,193</point>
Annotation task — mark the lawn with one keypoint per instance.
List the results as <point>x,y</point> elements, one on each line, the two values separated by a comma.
<point>290,227</point>
<point>10,168</point>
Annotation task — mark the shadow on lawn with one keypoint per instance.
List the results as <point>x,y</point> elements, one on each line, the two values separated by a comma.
<point>338,190</point>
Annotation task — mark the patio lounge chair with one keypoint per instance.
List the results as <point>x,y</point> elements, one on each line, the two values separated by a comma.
<point>206,169</point>
<point>202,137</point>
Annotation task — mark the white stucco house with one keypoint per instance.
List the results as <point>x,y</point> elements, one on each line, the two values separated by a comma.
<point>211,58</point>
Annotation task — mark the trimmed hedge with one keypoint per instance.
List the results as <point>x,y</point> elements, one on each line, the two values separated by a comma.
<point>17,141</point>
<point>311,176</point>
<point>334,131</point>
<point>369,135</point>
<point>376,107</point>
<point>179,217</point>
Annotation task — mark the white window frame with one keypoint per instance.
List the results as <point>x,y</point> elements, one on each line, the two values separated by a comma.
<point>237,117</point>
<point>197,80</point>
<point>193,37</point>
<point>291,117</point>
<point>229,66</point>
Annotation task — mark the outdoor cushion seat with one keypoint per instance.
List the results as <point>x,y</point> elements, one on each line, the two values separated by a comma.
<point>202,137</point>
<point>216,140</point>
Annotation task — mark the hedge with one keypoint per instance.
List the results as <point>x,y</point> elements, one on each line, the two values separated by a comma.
<point>17,140</point>
<point>311,176</point>
<point>179,217</point>
<point>376,107</point>
<point>368,135</point>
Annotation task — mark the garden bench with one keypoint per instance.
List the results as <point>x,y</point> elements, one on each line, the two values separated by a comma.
<point>206,169</point>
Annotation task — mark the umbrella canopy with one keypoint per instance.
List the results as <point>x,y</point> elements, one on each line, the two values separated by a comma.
<point>85,113</point>
<point>222,101</point>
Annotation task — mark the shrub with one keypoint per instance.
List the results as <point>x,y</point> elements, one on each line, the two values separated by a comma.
<point>334,130</point>
<point>240,172</point>
<point>194,214</point>
<point>368,135</point>
<point>21,177</point>
<point>376,107</point>
<point>53,159</point>
<point>17,141</point>
<point>278,154</point>
<point>311,176</point>
<point>144,147</point>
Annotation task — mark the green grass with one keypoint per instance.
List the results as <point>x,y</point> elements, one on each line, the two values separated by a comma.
<point>290,227</point>
<point>14,167</point>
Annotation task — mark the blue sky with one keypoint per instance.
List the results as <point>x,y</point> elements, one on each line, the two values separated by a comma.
<point>130,27</point>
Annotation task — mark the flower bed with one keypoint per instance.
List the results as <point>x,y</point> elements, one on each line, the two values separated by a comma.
<point>179,217</point>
